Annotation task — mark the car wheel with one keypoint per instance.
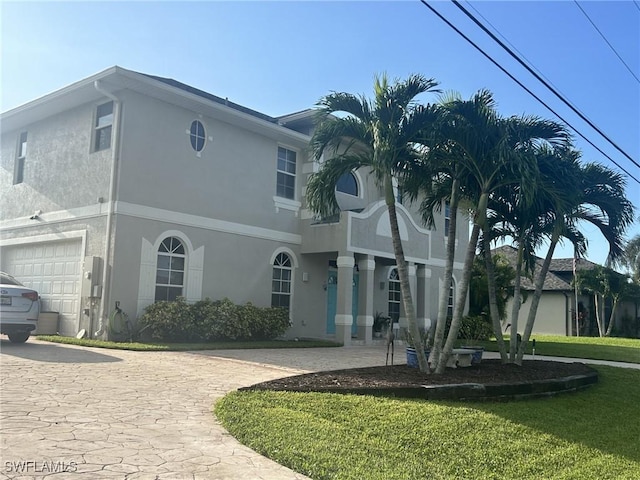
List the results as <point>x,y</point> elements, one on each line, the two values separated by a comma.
<point>19,337</point>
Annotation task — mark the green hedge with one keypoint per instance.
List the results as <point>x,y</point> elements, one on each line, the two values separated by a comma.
<point>209,320</point>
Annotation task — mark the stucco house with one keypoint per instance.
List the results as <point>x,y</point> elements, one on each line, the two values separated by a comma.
<point>555,315</point>
<point>131,188</point>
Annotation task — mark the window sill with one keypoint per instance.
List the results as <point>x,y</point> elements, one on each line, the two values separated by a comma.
<point>286,204</point>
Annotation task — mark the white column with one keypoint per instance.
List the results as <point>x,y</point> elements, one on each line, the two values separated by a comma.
<point>423,300</point>
<point>344,315</point>
<point>367,266</point>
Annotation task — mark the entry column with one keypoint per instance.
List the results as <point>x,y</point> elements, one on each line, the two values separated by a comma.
<point>423,297</point>
<point>344,308</point>
<point>367,266</point>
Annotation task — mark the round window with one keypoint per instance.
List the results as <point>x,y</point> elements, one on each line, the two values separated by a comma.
<point>197,135</point>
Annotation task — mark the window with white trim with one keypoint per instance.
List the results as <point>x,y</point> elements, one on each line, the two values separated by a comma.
<point>170,270</point>
<point>394,295</point>
<point>103,127</point>
<point>286,176</point>
<point>18,171</point>
<point>281,281</point>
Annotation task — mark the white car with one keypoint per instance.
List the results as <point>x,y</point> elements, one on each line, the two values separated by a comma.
<point>19,309</point>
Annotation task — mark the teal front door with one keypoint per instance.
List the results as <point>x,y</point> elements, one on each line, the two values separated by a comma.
<point>332,302</point>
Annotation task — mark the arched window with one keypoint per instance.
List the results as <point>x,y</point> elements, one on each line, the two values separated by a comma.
<point>394,295</point>
<point>348,184</point>
<point>170,270</point>
<point>281,281</point>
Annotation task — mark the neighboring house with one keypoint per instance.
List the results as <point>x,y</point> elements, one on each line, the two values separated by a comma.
<point>555,315</point>
<point>130,188</point>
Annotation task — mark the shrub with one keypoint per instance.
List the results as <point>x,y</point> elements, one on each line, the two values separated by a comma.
<point>272,322</point>
<point>172,321</point>
<point>227,324</point>
<point>475,328</point>
<point>208,320</point>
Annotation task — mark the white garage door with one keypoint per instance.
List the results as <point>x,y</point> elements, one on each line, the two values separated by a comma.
<point>54,269</point>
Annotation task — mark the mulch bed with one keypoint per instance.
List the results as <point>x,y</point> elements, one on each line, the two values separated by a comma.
<point>489,372</point>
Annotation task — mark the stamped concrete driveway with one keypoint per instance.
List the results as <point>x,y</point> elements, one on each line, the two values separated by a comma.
<point>86,413</point>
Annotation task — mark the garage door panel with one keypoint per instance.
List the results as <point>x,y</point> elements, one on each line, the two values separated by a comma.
<point>54,270</point>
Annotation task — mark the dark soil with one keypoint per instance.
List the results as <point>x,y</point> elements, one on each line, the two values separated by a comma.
<point>489,372</point>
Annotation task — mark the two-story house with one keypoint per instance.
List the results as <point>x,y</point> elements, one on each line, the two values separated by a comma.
<point>125,187</point>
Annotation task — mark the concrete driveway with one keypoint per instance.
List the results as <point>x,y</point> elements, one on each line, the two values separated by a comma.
<point>86,413</point>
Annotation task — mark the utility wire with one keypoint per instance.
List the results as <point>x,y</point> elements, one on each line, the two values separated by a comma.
<point>540,79</point>
<point>635,2</point>
<point>518,51</point>
<point>424,2</point>
<point>607,41</point>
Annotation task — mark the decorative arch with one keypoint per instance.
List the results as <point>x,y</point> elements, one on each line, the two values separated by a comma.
<point>288,251</point>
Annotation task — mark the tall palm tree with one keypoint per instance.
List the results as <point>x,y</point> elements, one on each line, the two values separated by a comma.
<point>495,154</point>
<point>380,134</point>
<point>527,222</point>
<point>601,202</point>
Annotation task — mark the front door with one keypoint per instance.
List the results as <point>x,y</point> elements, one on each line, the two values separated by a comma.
<point>332,302</point>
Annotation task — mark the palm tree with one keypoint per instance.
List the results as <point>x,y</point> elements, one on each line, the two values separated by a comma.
<point>632,257</point>
<point>601,202</point>
<point>380,134</point>
<point>494,153</point>
<point>529,221</point>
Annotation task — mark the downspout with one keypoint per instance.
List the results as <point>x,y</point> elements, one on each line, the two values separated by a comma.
<point>106,273</point>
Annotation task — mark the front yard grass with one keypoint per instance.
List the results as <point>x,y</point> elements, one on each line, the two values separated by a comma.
<point>591,434</point>
<point>607,348</point>
<point>183,347</point>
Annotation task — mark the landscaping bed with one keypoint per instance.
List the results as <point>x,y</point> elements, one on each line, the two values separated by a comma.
<point>490,379</point>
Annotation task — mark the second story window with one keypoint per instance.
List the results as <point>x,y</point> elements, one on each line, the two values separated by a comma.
<point>18,172</point>
<point>286,179</point>
<point>103,126</point>
<point>348,184</point>
<point>197,135</point>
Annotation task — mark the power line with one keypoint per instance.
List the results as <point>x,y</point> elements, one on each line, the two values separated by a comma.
<point>541,80</point>
<point>424,2</point>
<point>635,2</point>
<point>519,52</point>
<point>607,41</point>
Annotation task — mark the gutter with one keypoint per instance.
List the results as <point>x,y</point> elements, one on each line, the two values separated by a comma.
<point>106,270</point>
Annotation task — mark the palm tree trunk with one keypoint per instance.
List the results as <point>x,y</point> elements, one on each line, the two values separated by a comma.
<point>463,286</point>
<point>597,307</point>
<point>463,289</point>
<point>443,301</point>
<point>612,317</point>
<point>403,274</point>
<point>515,310</point>
<point>493,302</point>
<point>535,301</point>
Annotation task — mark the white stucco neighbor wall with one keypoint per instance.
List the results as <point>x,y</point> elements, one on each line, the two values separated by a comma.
<point>551,317</point>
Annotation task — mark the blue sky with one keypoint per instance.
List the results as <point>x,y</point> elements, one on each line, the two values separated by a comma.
<point>281,57</point>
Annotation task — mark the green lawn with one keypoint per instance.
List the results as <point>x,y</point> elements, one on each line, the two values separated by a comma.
<point>179,347</point>
<point>607,348</point>
<point>592,434</point>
